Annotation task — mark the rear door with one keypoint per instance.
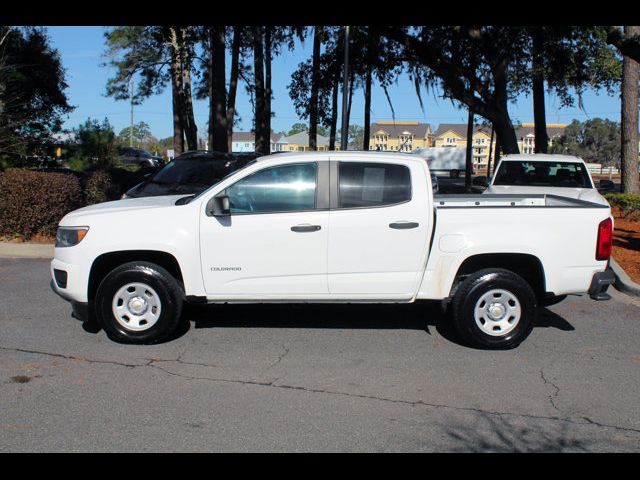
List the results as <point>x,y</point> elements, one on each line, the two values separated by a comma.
<point>378,228</point>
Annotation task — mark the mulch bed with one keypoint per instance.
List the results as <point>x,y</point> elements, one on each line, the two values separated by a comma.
<point>626,244</point>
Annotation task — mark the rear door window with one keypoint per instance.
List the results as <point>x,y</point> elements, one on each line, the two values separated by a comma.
<point>363,184</point>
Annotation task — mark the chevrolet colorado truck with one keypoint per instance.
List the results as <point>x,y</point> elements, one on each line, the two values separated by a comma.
<point>332,227</point>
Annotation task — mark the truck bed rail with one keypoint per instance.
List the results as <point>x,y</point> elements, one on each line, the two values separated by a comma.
<point>510,200</point>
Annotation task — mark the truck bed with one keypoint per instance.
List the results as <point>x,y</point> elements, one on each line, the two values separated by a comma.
<point>510,200</point>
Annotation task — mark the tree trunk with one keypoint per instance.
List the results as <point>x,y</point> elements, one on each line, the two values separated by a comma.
<point>233,85</point>
<point>218,140</point>
<point>629,121</point>
<point>469,157</point>
<point>490,154</point>
<point>313,101</point>
<point>539,114</point>
<point>177,103</point>
<point>496,157</point>
<point>500,113</point>
<point>267,82</point>
<point>351,80</point>
<point>367,92</point>
<point>261,141</point>
<point>190,127</point>
<point>334,111</point>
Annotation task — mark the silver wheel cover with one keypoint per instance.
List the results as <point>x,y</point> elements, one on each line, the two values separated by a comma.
<point>497,312</point>
<point>136,307</point>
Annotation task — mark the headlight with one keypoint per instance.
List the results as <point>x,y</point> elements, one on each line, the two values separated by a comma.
<point>70,236</point>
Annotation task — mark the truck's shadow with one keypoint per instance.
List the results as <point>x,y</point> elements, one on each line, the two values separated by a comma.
<point>418,316</point>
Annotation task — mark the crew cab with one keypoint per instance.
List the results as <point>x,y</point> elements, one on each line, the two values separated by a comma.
<point>563,175</point>
<point>332,227</point>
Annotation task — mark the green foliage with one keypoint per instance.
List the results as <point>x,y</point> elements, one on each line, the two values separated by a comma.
<point>595,141</point>
<point>32,91</point>
<point>297,128</point>
<point>141,135</point>
<point>628,204</point>
<point>355,138</point>
<point>100,188</point>
<point>96,142</point>
<point>34,202</point>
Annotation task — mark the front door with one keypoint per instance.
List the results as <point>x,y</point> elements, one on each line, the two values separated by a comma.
<point>274,243</point>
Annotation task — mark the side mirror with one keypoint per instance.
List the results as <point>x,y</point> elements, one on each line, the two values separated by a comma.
<point>480,181</point>
<point>606,185</point>
<point>219,206</point>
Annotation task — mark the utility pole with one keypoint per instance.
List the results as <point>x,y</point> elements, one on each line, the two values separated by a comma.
<point>131,128</point>
<point>345,94</point>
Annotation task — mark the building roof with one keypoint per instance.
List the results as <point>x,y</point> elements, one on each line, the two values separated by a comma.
<point>460,129</point>
<point>250,137</point>
<point>397,128</point>
<point>553,130</point>
<point>302,138</point>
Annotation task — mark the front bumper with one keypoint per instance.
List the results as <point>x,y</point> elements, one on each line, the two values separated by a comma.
<point>80,310</point>
<point>600,283</point>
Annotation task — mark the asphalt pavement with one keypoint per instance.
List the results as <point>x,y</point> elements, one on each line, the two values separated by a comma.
<point>314,378</point>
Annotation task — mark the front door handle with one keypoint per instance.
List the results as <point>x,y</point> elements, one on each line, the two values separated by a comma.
<point>305,228</point>
<point>403,225</point>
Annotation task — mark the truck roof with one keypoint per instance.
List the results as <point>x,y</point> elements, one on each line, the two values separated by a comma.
<point>541,157</point>
<point>374,155</point>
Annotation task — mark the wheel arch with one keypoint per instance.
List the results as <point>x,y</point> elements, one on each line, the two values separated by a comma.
<point>525,265</point>
<point>107,262</point>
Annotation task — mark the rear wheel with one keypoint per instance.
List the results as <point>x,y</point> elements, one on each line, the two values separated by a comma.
<point>494,308</point>
<point>139,302</point>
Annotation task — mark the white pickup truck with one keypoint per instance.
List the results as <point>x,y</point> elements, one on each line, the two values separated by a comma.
<point>563,175</point>
<point>332,227</point>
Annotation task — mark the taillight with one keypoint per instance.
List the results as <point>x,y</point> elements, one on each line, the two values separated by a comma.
<point>605,240</point>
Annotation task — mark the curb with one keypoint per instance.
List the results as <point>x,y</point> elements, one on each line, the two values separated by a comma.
<point>26,250</point>
<point>623,281</point>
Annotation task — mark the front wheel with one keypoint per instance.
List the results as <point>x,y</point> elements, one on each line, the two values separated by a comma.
<point>494,308</point>
<point>139,302</point>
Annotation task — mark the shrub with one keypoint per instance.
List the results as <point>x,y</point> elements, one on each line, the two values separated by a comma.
<point>33,203</point>
<point>100,188</point>
<point>628,204</point>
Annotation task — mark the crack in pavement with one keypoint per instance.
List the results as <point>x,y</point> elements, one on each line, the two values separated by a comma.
<point>280,357</point>
<point>152,363</point>
<point>555,395</point>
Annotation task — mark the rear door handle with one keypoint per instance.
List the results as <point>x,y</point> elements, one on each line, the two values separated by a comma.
<point>403,225</point>
<point>305,228</point>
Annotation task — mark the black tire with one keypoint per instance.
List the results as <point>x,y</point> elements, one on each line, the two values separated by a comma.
<point>169,298</point>
<point>470,292</point>
<point>454,174</point>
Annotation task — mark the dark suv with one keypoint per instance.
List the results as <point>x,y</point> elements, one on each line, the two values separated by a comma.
<point>190,173</point>
<point>138,157</point>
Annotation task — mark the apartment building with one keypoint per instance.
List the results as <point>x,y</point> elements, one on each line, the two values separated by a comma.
<point>246,142</point>
<point>455,135</point>
<point>527,138</point>
<point>399,136</point>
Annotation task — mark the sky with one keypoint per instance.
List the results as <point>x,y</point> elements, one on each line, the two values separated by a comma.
<point>82,52</point>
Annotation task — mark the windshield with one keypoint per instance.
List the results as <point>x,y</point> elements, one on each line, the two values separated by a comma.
<point>192,171</point>
<point>542,174</point>
<point>232,172</point>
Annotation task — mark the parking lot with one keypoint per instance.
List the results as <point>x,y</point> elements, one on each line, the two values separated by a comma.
<point>314,378</point>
